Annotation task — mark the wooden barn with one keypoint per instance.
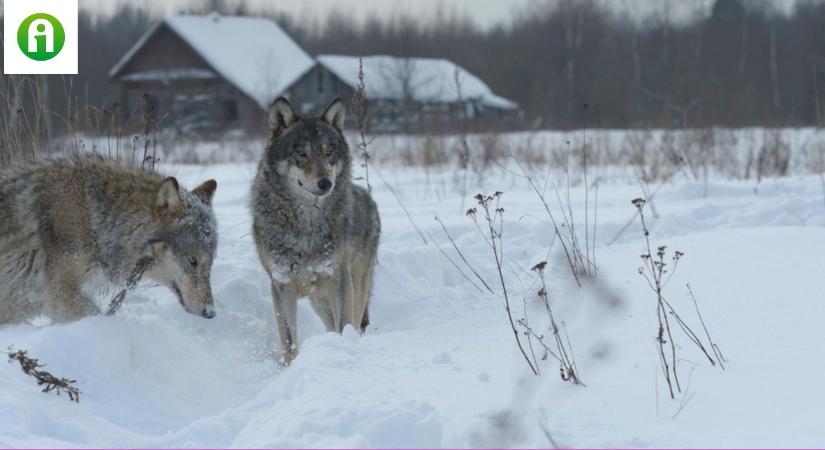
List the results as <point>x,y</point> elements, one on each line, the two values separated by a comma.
<point>404,94</point>
<point>206,73</point>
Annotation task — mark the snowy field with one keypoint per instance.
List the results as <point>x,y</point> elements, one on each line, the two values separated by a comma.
<point>438,365</point>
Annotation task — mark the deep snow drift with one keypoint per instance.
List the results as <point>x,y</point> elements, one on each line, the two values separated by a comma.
<point>438,366</point>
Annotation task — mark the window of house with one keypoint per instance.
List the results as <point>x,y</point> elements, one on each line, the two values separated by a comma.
<point>230,110</point>
<point>320,81</point>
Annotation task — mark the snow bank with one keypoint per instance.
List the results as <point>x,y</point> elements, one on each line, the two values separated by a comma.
<point>438,366</point>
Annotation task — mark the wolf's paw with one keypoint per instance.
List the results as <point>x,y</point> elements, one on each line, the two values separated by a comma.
<point>288,356</point>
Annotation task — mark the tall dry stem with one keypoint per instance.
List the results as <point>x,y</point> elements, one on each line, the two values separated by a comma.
<point>493,216</point>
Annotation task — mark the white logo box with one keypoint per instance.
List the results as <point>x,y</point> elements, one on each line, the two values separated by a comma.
<point>15,62</point>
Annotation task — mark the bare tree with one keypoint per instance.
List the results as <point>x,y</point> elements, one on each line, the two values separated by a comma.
<point>400,78</point>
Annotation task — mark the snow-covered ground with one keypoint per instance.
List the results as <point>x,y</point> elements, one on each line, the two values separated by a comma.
<point>438,366</point>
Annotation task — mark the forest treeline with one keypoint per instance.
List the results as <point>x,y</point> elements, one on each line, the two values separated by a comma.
<point>568,63</point>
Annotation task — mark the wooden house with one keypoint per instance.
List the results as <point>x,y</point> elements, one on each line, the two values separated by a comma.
<point>209,72</point>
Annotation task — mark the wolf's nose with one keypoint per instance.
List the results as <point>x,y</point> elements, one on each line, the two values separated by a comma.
<point>208,313</point>
<point>324,184</point>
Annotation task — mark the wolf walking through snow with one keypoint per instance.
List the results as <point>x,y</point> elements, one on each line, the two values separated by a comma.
<point>64,221</point>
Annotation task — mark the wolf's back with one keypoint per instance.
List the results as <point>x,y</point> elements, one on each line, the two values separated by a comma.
<point>53,207</point>
<point>22,256</point>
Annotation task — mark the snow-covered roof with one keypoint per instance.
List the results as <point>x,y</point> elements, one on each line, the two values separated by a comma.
<point>254,54</point>
<point>424,79</point>
<point>171,74</point>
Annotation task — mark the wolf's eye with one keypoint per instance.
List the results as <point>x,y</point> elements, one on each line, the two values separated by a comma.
<point>192,262</point>
<point>301,153</point>
<point>327,152</point>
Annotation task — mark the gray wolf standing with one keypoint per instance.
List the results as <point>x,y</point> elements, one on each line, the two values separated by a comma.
<point>316,232</point>
<point>63,222</point>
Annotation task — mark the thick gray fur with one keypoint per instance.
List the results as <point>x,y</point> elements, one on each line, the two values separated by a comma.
<point>63,222</point>
<point>313,242</point>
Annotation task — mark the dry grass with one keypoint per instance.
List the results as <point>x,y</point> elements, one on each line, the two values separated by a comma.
<point>651,155</point>
<point>28,129</point>
<point>24,122</point>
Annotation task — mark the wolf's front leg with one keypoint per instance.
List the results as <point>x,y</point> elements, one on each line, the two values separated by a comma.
<point>350,313</point>
<point>66,301</point>
<point>286,316</point>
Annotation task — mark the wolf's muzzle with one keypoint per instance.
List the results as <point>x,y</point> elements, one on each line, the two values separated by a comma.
<point>324,184</point>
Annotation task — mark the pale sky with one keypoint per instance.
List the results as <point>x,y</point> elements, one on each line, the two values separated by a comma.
<point>484,12</point>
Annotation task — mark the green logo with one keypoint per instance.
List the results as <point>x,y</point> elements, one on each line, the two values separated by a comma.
<point>41,37</point>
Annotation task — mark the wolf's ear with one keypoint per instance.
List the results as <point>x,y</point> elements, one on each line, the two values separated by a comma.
<point>206,191</point>
<point>169,195</point>
<point>335,114</point>
<point>281,116</point>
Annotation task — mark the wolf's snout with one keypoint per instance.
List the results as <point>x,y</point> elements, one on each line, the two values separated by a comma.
<point>208,312</point>
<point>324,184</point>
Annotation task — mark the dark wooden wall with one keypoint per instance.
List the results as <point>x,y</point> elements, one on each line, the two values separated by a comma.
<point>189,105</point>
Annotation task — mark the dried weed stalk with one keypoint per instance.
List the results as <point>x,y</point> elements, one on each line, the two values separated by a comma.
<point>657,274</point>
<point>572,250</point>
<point>359,109</point>
<point>464,152</point>
<point>141,267</point>
<point>50,383</point>
<point>493,219</point>
<point>150,161</point>
<point>563,350</point>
